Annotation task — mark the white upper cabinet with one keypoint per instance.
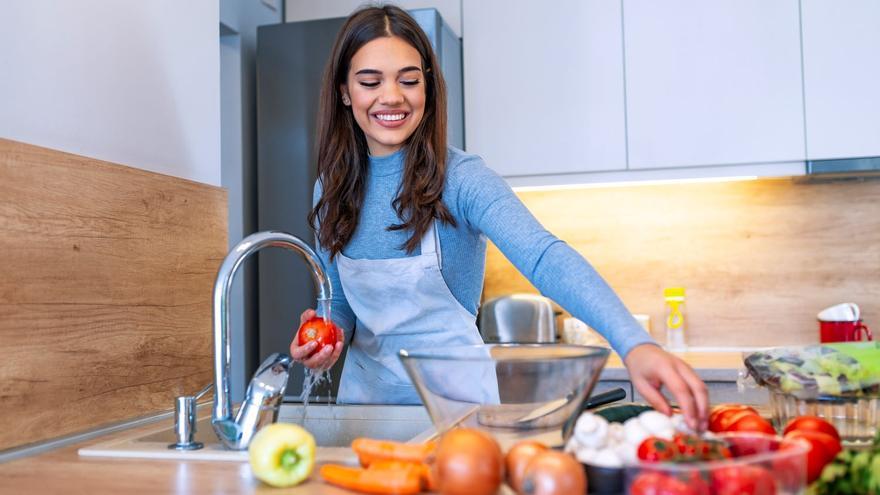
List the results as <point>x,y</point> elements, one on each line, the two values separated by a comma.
<point>842,78</point>
<point>544,85</point>
<point>713,83</point>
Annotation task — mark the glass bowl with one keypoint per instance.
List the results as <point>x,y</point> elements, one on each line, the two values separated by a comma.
<point>856,418</point>
<point>758,464</point>
<point>514,391</point>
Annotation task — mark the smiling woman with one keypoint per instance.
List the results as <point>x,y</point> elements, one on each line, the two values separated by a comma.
<point>402,223</point>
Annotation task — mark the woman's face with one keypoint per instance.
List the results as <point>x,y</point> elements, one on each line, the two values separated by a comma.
<point>386,91</point>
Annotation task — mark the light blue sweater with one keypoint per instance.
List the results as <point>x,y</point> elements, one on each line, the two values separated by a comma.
<point>483,206</point>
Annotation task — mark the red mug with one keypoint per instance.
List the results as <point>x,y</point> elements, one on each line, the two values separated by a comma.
<point>843,331</point>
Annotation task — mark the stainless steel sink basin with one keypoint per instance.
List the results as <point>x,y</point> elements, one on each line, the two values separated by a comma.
<point>334,427</point>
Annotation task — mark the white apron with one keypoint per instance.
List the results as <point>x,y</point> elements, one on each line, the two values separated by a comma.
<point>400,303</point>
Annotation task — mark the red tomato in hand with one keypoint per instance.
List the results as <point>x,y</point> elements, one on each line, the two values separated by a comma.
<point>812,423</point>
<point>743,480</point>
<point>323,332</point>
<point>653,449</point>
<point>823,449</point>
<point>751,423</point>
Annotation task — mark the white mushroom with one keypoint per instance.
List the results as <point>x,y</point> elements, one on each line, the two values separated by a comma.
<point>634,432</point>
<point>591,430</point>
<point>606,458</point>
<point>656,422</point>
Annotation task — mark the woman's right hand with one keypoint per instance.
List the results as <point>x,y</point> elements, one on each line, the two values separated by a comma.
<point>323,359</point>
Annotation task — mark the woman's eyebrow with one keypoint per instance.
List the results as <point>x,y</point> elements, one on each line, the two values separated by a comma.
<point>379,72</point>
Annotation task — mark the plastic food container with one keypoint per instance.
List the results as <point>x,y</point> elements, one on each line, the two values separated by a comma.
<point>759,464</point>
<point>837,382</point>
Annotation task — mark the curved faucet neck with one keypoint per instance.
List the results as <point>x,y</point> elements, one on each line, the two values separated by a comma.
<point>234,435</point>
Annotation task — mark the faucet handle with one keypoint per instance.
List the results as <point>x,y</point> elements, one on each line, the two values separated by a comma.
<point>262,400</point>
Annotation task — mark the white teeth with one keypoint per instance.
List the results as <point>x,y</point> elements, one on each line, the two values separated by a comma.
<point>390,117</point>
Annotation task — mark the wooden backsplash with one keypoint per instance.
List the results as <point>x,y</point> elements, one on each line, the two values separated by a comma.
<point>759,258</point>
<point>105,293</point>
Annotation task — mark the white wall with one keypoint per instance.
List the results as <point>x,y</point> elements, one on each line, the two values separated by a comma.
<point>136,83</point>
<point>304,10</point>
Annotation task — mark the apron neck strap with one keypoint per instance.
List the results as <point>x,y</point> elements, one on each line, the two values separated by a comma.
<point>430,243</point>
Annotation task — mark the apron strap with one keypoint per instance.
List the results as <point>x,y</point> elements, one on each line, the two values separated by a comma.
<point>430,243</point>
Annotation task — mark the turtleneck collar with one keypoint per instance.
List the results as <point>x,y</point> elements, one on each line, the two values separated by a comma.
<point>386,165</point>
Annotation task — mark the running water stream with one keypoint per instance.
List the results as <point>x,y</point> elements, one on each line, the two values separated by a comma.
<point>314,378</point>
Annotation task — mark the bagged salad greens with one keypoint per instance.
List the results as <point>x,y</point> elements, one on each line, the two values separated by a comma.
<point>847,369</point>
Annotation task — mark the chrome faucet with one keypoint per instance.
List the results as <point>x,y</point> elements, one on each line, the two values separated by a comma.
<point>266,390</point>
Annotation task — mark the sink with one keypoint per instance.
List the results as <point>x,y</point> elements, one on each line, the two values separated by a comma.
<point>334,427</point>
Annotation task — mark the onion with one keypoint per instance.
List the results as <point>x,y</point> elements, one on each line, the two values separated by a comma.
<point>468,462</point>
<point>518,457</point>
<point>554,473</point>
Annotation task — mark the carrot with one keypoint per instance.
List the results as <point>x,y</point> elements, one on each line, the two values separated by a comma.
<point>390,480</point>
<point>426,475</point>
<point>370,450</point>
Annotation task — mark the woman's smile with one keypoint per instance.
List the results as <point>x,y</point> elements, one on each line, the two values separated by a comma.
<point>386,92</point>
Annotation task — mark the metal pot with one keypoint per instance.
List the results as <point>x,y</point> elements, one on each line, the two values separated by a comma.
<point>518,318</point>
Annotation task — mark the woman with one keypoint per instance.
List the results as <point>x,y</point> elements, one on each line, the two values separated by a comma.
<point>401,223</point>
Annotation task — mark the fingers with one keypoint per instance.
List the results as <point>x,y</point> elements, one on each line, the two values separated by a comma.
<point>699,391</point>
<point>679,388</point>
<point>652,394</point>
<point>320,360</point>
<point>301,352</point>
<point>307,315</point>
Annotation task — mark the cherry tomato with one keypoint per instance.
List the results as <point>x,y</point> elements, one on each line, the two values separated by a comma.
<point>751,423</point>
<point>323,332</point>
<point>743,480</point>
<point>653,449</point>
<point>812,423</point>
<point>653,483</point>
<point>823,449</point>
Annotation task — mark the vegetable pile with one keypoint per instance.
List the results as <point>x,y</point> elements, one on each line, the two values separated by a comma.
<point>851,473</point>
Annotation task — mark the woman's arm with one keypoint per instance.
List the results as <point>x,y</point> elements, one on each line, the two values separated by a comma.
<point>562,274</point>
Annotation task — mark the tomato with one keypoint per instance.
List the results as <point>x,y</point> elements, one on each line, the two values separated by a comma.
<point>720,415</point>
<point>812,423</point>
<point>518,457</point>
<point>653,449</point>
<point>743,480</point>
<point>323,332</point>
<point>790,470</point>
<point>751,423</point>
<point>823,449</point>
<point>553,473</point>
<point>468,462</point>
<point>653,483</point>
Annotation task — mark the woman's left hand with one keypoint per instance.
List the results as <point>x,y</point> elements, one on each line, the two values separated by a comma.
<point>650,368</point>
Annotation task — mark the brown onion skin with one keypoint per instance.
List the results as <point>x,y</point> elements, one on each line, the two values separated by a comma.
<point>468,462</point>
<point>553,473</point>
<point>518,458</point>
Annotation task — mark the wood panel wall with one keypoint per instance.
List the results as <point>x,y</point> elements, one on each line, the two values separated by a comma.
<point>106,274</point>
<point>759,259</point>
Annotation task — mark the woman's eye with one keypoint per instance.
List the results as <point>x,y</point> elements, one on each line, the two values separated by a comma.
<point>410,82</point>
<point>369,84</point>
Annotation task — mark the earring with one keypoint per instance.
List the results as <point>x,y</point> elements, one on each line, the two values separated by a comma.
<point>345,100</point>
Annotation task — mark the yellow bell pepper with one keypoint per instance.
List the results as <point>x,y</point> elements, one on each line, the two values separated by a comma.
<point>282,454</point>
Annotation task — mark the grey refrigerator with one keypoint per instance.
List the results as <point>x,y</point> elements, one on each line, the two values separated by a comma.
<point>290,63</point>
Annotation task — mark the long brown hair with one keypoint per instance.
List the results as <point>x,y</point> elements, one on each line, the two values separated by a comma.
<point>343,156</point>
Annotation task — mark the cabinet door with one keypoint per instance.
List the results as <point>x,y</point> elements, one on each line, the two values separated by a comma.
<point>713,83</point>
<point>544,86</point>
<point>842,78</point>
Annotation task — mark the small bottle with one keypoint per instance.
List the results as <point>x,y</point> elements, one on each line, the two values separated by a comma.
<point>675,328</point>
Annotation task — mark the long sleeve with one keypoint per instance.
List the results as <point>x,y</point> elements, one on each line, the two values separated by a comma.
<point>340,311</point>
<point>558,271</point>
